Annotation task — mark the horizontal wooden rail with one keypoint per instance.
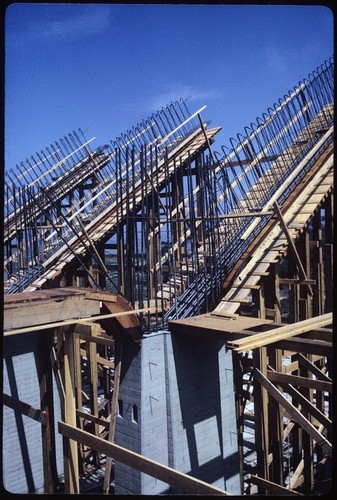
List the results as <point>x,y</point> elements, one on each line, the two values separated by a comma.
<point>273,488</point>
<point>162,472</point>
<point>284,332</point>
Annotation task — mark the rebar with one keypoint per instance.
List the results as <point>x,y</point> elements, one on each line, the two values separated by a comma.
<point>159,211</point>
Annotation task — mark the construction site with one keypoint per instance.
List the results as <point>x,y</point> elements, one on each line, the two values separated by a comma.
<point>168,307</point>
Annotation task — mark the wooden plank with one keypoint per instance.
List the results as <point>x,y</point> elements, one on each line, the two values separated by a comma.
<point>177,479</point>
<point>311,383</point>
<point>114,412</point>
<point>71,470</point>
<point>78,387</point>
<point>56,324</point>
<point>291,245</point>
<point>270,256</point>
<point>239,295</point>
<point>297,478</point>
<point>226,307</point>
<point>85,329</point>
<point>93,379</point>
<point>272,487</point>
<point>284,332</point>
<point>261,414</point>
<point>58,378</point>
<point>46,311</point>
<point>294,413</point>
<point>305,346</point>
<point>308,406</point>
<point>25,409</point>
<point>296,281</point>
<point>101,295</point>
<point>224,314</point>
<point>312,368</point>
<point>92,418</point>
<point>45,344</point>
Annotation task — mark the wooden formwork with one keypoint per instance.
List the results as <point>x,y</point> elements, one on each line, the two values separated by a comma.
<point>84,341</point>
<point>79,335</point>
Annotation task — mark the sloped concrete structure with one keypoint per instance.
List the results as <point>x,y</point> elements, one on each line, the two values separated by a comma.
<point>176,406</point>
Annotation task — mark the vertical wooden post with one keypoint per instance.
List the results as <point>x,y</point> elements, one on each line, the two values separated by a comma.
<point>101,275</point>
<point>328,254</point>
<point>78,390</point>
<point>70,446</point>
<point>303,248</point>
<point>262,301</point>
<point>307,440</point>
<point>114,409</point>
<point>150,252</point>
<point>294,291</point>
<point>238,381</point>
<point>121,258</point>
<point>93,381</point>
<point>276,424</point>
<point>45,344</point>
<point>318,265</point>
<point>261,414</point>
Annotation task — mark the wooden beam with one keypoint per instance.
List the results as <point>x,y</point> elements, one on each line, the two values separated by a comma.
<point>71,470</point>
<point>55,364</point>
<point>18,315</point>
<point>78,390</point>
<point>232,215</point>
<point>45,374</point>
<point>284,332</point>
<point>180,480</point>
<point>272,487</point>
<point>113,416</point>
<point>297,478</point>
<point>294,413</point>
<point>312,368</point>
<point>306,346</point>
<point>261,414</point>
<point>78,320</point>
<point>296,281</point>
<point>93,382</point>
<point>25,409</point>
<point>310,383</point>
<point>308,406</point>
<point>100,359</point>
<point>320,334</point>
<point>292,246</point>
<point>92,418</point>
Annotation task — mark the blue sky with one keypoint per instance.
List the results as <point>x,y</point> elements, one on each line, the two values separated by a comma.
<point>105,67</point>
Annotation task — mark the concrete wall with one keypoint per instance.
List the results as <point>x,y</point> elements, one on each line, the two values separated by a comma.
<point>22,463</point>
<point>128,431</point>
<point>186,415</point>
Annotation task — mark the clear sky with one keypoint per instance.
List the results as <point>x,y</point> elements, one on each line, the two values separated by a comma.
<point>105,67</point>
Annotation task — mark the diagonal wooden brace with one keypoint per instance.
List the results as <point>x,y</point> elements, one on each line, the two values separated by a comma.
<point>301,271</point>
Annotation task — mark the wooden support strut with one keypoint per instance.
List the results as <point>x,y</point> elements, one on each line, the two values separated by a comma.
<point>114,406</point>
<point>25,409</point>
<point>292,247</point>
<point>70,445</point>
<point>162,472</point>
<point>271,487</point>
<point>294,413</point>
